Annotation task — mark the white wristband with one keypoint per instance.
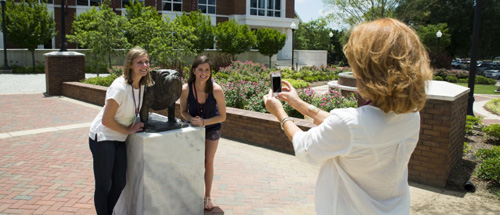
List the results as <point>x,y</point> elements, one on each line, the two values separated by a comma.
<point>313,109</point>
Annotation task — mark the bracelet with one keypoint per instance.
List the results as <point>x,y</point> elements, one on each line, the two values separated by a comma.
<point>313,109</point>
<point>284,120</point>
<point>203,120</point>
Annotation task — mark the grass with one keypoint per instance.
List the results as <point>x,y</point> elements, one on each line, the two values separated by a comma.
<point>482,89</point>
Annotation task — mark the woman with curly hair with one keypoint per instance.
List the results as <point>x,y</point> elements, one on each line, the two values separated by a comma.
<point>364,152</point>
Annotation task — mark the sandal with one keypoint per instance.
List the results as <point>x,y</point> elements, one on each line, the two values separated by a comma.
<point>207,204</point>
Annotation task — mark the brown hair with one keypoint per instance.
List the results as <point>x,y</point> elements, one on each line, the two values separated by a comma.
<point>198,61</point>
<point>129,60</point>
<point>390,64</point>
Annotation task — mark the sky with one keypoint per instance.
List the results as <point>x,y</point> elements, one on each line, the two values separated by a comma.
<point>309,9</point>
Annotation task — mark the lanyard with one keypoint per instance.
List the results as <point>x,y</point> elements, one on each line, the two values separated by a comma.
<point>133,96</point>
<point>198,104</point>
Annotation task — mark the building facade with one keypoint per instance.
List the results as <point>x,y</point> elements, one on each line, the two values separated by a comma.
<point>276,14</point>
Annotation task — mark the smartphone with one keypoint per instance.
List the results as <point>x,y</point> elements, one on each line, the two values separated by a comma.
<point>276,83</point>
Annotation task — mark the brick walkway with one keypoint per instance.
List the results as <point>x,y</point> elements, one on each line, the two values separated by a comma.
<point>46,165</point>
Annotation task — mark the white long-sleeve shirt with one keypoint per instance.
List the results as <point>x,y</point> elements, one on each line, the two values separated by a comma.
<point>364,154</point>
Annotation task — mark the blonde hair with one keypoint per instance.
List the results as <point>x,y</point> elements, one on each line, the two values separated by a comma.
<point>129,60</point>
<point>390,64</point>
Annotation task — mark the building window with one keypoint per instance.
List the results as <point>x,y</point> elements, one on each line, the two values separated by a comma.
<point>128,2</point>
<point>171,5</point>
<point>88,2</point>
<point>206,6</point>
<point>265,8</point>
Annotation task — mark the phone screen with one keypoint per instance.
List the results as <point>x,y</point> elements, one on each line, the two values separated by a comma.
<point>276,84</point>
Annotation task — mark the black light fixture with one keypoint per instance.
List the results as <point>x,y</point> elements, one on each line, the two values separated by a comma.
<point>293,26</point>
<point>473,55</point>
<point>439,35</point>
<point>63,28</point>
<point>330,47</point>
<point>5,65</point>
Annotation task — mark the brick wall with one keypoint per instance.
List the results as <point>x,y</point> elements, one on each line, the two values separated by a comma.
<point>439,148</point>
<point>62,68</point>
<point>441,141</point>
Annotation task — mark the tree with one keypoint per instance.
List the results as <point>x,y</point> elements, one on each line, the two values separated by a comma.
<point>203,29</point>
<point>101,32</point>
<point>171,43</point>
<point>29,24</point>
<point>458,14</point>
<point>233,38</point>
<point>81,31</point>
<point>142,25</point>
<point>270,42</point>
<point>356,11</point>
<point>313,35</point>
<point>428,36</point>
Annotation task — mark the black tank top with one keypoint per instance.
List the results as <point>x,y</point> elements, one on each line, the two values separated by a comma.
<point>196,109</point>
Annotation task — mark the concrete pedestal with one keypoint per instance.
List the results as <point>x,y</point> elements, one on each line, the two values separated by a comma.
<point>165,173</point>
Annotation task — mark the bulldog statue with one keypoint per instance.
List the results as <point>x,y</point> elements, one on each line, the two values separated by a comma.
<point>162,94</point>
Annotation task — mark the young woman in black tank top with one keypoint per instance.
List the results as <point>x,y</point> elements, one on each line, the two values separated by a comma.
<point>203,105</point>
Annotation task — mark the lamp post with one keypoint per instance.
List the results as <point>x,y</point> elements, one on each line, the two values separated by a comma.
<point>438,35</point>
<point>473,55</point>
<point>293,26</point>
<point>63,29</point>
<point>330,47</point>
<point>5,65</point>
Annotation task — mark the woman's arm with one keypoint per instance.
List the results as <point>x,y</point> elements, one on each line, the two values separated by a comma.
<point>221,105</point>
<point>290,95</point>
<point>183,102</point>
<point>108,119</point>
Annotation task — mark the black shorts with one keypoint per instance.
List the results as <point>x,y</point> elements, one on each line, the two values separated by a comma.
<point>212,135</point>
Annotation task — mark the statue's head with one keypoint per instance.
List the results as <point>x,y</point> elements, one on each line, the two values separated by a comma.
<point>167,86</point>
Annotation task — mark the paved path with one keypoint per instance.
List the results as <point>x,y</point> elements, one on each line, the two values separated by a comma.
<point>46,168</point>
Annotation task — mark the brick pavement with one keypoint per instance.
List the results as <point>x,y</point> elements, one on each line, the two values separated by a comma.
<point>50,172</point>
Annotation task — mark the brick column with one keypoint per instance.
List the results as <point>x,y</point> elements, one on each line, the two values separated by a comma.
<point>442,134</point>
<point>62,67</point>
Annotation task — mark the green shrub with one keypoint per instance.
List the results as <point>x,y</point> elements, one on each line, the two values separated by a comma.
<point>490,169</point>
<point>102,69</point>
<point>438,78</point>
<point>484,80</point>
<point>39,68</point>
<point>493,105</point>
<point>463,80</point>
<point>492,131</point>
<point>471,122</point>
<point>490,165</point>
<point>467,148</point>
<point>483,154</point>
<point>116,71</point>
<point>297,84</point>
<point>452,79</point>
<point>101,81</point>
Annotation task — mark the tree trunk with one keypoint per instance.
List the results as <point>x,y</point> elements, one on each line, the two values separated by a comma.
<point>33,59</point>
<point>109,60</point>
<point>270,66</point>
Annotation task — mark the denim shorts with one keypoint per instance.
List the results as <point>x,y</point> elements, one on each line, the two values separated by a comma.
<point>212,135</point>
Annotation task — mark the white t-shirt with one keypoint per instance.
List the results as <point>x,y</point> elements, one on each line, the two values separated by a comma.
<point>364,154</point>
<point>121,92</point>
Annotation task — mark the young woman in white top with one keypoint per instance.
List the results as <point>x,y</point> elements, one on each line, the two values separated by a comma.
<point>364,152</point>
<point>113,124</point>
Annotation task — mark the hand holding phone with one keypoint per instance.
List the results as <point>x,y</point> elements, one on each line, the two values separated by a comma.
<point>276,83</point>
